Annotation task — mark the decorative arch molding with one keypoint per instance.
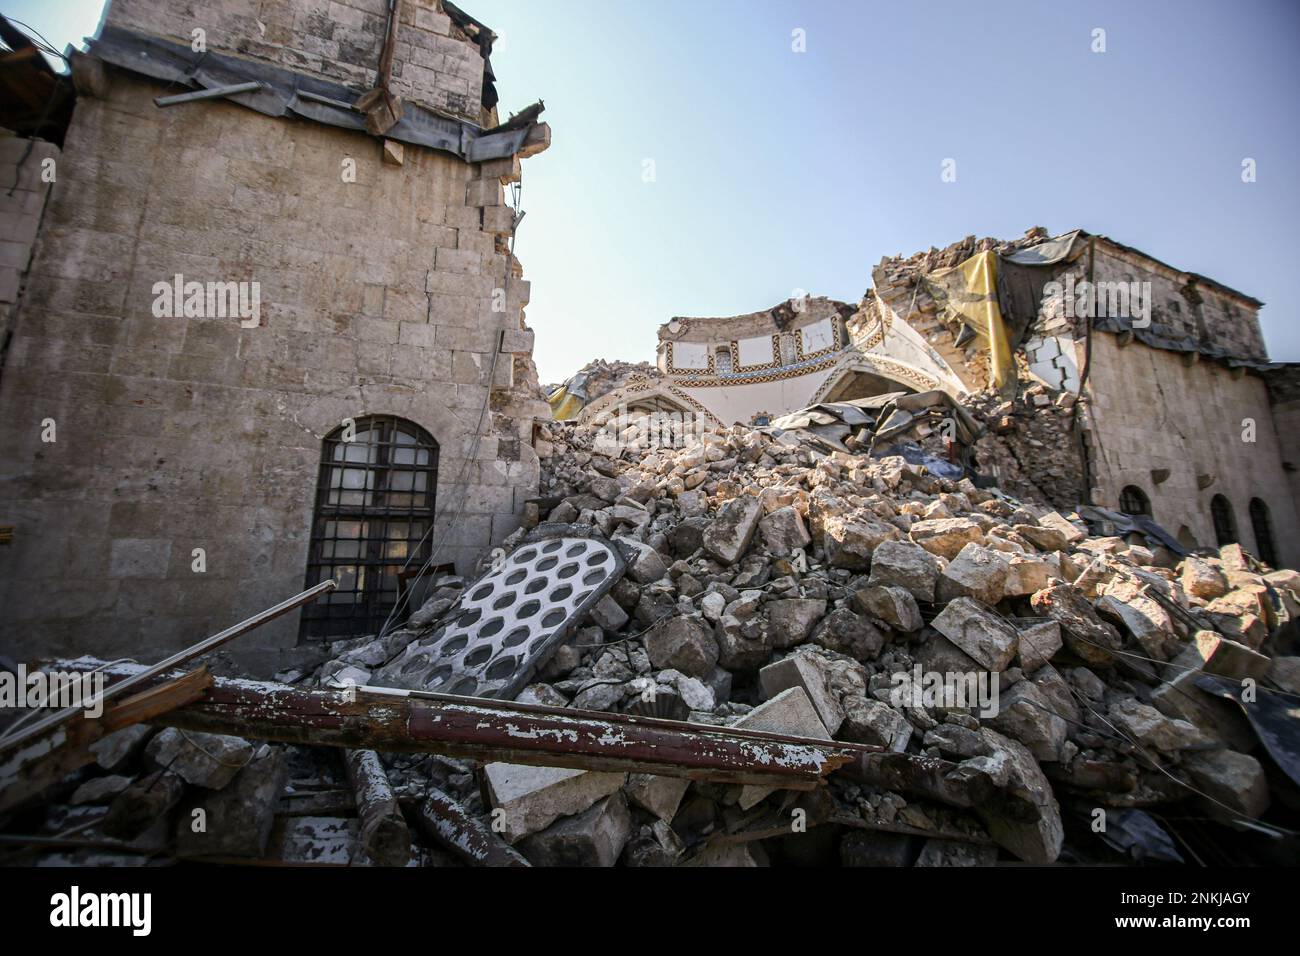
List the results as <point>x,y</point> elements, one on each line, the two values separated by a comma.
<point>891,369</point>
<point>641,391</point>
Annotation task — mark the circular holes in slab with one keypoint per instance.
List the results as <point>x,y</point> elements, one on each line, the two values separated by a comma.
<point>553,618</point>
<point>492,627</point>
<point>582,597</point>
<point>560,593</point>
<point>469,617</point>
<point>576,550</point>
<point>597,558</point>
<point>528,609</point>
<point>547,563</point>
<point>437,676</point>
<point>552,547</point>
<point>568,571</point>
<point>516,637</point>
<point>535,585</point>
<point>504,601</point>
<point>592,578</point>
<point>478,656</point>
<point>502,667</point>
<point>465,686</point>
<point>415,663</point>
<point>523,557</point>
<point>516,576</point>
<point>481,593</point>
<point>454,646</point>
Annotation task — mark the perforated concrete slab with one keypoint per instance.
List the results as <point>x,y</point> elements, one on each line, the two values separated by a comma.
<point>509,621</point>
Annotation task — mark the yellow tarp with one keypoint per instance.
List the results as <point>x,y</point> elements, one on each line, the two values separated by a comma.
<point>970,292</point>
<point>563,405</point>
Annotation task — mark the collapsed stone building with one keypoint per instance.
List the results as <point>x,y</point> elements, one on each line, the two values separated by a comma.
<point>1161,399</point>
<point>168,471</point>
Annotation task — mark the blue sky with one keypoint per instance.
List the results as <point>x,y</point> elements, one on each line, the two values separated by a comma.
<point>776,170</point>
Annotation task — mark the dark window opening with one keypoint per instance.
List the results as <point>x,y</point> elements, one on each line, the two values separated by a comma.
<point>374,508</point>
<point>1263,528</point>
<point>1134,501</point>
<point>1225,525</point>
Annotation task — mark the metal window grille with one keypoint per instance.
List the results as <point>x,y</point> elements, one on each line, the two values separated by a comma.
<point>1134,501</point>
<point>1225,526</point>
<point>375,501</point>
<point>1263,529</point>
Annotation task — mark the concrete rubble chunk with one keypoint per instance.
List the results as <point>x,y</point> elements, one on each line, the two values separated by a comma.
<point>533,798</point>
<point>1200,579</point>
<point>205,760</point>
<point>849,541</point>
<point>594,837</point>
<point>895,606</point>
<point>99,789</point>
<point>1233,782</point>
<point>905,565</point>
<point>956,853</point>
<point>1057,522</point>
<point>1085,634</point>
<point>976,572</point>
<point>790,712</point>
<point>657,794</point>
<point>946,536</point>
<point>1038,644</point>
<point>683,644</point>
<point>803,671</point>
<point>845,632</point>
<point>1025,714</point>
<point>868,721</point>
<point>1150,728</point>
<point>792,620</point>
<point>114,751</point>
<point>1127,602</point>
<point>783,531</point>
<point>979,632</point>
<point>238,819</point>
<point>728,536</point>
<point>1029,823</point>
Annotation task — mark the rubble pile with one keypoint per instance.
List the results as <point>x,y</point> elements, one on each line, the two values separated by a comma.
<point>1025,678</point>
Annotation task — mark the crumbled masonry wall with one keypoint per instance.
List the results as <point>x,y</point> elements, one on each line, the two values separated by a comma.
<point>1152,410</point>
<point>174,433</point>
<point>434,63</point>
<point>20,212</point>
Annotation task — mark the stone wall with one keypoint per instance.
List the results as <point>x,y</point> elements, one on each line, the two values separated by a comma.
<point>23,191</point>
<point>1153,410</point>
<point>174,433</point>
<point>434,63</point>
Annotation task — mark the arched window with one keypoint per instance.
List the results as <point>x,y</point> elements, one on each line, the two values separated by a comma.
<point>1225,525</point>
<point>1134,501</point>
<point>374,506</point>
<point>722,360</point>
<point>1263,529</point>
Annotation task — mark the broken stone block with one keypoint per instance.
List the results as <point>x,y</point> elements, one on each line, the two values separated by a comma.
<point>895,606</point>
<point>783,532</point>
<point>1085,634</point>
<point>905,565</point>
<point>1203,580</point>
<point>143,804</point>
<point>848,633</point>
<point>868,721</point>
<point>849,542</point>
<point>1025,714</point>
<point>99,790</point>
<point>979,632</point>
<point>1150,728</point>
<point>956,853</point>
<point>1027,820</point>
<point>205,760</point>
<point>1227,658</point>
<point>1038,643</point>
<point>1285,673</point>
<point>802,670</point>
<point>976,572</point>
<point>607,615</point>
<point>728,536</point>
<point>1043,538</point>
<point>1126,601</point>
<point>1230,778</point>
<point>594,837</point>
<point>790,712</point>
<point>1026,575</point>
<point>1220,721</point>
<point>683,644</point>
<point>1054,520</point>
<point>657,794</point>
<point>644,563</point>
<point>535,797</point>
<point>235,821</point>
<point>946,536</point>
<point>791,620</point>
<point>116,750</point>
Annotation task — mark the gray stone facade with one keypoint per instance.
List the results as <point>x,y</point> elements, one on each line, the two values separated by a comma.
<point>393,294</point>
